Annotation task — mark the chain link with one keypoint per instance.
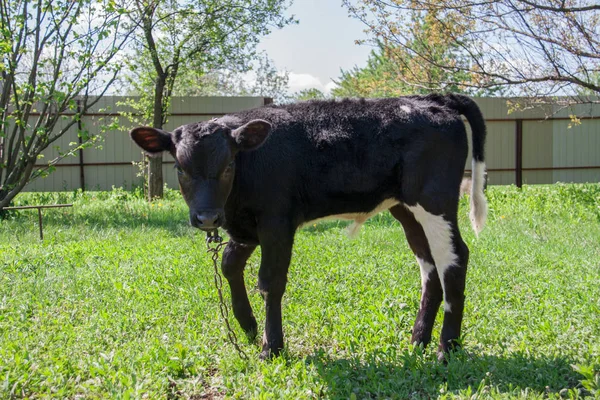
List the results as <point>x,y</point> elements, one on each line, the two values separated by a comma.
<point>213,237</point>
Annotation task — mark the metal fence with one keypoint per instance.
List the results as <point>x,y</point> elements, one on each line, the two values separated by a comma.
<point>112,163</point>
<point>528,147</point>
<point>522,147</point>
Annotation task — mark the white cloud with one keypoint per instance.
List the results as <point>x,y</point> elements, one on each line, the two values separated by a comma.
<point>303,81</point>
<point>300,82</point>
<point>330,86</point>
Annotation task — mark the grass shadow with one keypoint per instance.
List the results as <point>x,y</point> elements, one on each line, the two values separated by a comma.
<point>414,375</point>
<point>174,223</point>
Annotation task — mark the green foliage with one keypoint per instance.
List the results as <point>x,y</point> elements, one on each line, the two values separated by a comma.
<point>55,56</point>
<point>394,70</point>
<point>591,381</point>
<point>118,302</point>
<point>176,37</point>
<point>379,78</point>
<point>534,49</point>
<point>262,79</point>
<point>196,39</point>
<point>309,94</point>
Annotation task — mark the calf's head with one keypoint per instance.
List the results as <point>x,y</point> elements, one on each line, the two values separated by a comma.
<point>205,155</point>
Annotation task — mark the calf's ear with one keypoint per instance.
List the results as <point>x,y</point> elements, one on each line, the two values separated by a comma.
<point>153,141</point>
<point>252,135</point>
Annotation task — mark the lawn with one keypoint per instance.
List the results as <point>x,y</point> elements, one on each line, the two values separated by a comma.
<point>118,302</point>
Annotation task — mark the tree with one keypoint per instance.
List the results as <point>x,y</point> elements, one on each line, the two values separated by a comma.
<point>55,56</point>
<point>379,78</point>
<point>309,94</point>
<point>204,35</point>
<point>261,79</point>
<point>391,72</point>
<point>394,69</point>
<point>526,47</point>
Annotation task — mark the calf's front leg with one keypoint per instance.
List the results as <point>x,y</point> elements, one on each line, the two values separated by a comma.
<point>276,243</point>
<point>234,262</point>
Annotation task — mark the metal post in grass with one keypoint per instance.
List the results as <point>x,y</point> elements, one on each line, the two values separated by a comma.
<point>39,208</point>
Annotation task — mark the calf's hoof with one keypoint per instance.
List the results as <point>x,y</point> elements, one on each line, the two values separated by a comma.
<point>251,335</point>
<point>419,342</point>
<point>269,352</point>
<point>248,325</point>
<point>442,357</point>
<point>265,355</point>
<point>445,348</point>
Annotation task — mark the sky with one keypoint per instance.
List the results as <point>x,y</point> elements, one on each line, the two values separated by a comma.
<point>322,43</point>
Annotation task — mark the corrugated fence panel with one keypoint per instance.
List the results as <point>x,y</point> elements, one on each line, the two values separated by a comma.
<point>576,146</point>
<point>537,151</point>
<point>170,174</point>
<point>500,152</point>
<point>104,177</point>
<point>64,177</point>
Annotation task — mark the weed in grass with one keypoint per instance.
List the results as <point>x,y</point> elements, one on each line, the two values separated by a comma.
<point>118,302</point>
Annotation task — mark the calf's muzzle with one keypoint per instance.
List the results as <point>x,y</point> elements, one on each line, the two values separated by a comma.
<point>207,220</point>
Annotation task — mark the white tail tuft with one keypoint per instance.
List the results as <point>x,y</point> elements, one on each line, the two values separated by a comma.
<point>478,213</point>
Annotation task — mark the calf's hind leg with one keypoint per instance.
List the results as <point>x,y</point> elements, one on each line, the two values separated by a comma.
<point>450,255</point>
<point>234,262</point>
<point>431,288</point>
<point>454,278</point>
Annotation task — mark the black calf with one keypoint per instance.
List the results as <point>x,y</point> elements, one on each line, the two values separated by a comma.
<point>262,173</point>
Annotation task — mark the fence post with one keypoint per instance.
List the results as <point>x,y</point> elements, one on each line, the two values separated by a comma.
<point>80,140</point>
<point>519,153</point>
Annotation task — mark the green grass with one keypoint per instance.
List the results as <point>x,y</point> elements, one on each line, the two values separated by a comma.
<point>118,302</point>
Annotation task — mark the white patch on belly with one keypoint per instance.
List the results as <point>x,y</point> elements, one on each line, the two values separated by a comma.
<point>439,236</point>
<point>358,218</point>
<point>406,109</point>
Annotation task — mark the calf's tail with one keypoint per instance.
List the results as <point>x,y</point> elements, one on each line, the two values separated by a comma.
<point>467,107</point>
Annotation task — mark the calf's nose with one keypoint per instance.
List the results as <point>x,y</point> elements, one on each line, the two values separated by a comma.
<point>208,220</point>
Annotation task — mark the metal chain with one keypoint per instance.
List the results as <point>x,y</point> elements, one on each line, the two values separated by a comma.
<point>213,237</point>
